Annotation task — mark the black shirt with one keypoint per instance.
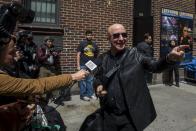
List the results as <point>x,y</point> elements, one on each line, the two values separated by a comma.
<point>115,101</point>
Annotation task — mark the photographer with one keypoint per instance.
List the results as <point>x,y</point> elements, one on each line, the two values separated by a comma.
<point>48,58</point>
<point>28,47</point>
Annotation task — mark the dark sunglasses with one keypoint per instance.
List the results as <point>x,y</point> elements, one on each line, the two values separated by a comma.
<point>117,35</point>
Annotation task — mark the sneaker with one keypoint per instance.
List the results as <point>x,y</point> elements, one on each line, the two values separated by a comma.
<point>85,98</point>
<point>93,97</point>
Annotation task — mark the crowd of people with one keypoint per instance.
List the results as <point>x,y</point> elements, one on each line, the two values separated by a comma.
<point>27,72</point>
<point>19,70</point>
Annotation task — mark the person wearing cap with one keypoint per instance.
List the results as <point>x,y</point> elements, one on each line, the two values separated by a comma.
<point>48,57</point>
<point>46,54</point>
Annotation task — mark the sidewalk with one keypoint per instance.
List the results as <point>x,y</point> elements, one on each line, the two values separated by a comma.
<point>176,108</point>
<point>75,111</point>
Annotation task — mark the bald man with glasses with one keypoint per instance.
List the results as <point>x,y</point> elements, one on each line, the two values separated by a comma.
<point>120,83</point>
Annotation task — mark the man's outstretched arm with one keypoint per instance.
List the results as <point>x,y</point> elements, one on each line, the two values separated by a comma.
<point>174,56</point>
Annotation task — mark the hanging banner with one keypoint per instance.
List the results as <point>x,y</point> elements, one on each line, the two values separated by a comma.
<point>169,12</point>
<point>185,15</point>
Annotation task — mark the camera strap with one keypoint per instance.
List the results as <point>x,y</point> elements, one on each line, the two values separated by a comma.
<point>117,67</point>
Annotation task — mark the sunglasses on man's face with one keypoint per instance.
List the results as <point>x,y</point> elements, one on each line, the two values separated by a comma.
<point>117,35</point>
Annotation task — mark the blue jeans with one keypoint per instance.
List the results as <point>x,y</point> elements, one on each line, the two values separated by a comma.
<point>86,86</point>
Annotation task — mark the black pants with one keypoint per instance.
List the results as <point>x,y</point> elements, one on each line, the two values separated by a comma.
<point>168,76</point>
<point>114,122</point>
<point>176,73</point>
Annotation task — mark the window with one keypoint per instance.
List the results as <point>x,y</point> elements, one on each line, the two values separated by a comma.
<point>45,10</point>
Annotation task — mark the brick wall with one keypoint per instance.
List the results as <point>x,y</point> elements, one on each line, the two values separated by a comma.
<point>79,15</point>
<point>179,5</point>
<point>76,16</point>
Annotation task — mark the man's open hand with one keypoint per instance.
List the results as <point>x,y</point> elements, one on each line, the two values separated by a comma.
<point>177,53</point>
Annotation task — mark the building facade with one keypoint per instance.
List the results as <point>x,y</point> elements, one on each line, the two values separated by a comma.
<point>67,21</point>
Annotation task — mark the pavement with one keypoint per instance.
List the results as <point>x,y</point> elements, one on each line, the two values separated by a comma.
<point>176,108</point>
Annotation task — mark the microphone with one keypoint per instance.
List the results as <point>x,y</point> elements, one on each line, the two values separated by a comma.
<point>90,65</point>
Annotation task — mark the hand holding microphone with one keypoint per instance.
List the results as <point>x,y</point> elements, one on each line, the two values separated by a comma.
<point>81,74</point>
<point>92,66</point>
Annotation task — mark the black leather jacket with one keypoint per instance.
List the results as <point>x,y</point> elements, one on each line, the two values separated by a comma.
<point>131,80</point>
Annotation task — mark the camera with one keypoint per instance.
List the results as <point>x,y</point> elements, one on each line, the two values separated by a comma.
<point>24,34</point>
<point>9,15</point>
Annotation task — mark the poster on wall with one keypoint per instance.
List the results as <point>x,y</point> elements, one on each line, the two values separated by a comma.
<point>176,27</point>
<point>185,33</point>
<point>169,30</point>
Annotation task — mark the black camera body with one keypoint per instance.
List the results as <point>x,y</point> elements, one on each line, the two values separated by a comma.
<point>9,15</point>
<point>24,33</point>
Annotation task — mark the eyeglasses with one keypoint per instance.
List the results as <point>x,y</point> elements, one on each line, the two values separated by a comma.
<point>185,30</point>
<point>117,35</point>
